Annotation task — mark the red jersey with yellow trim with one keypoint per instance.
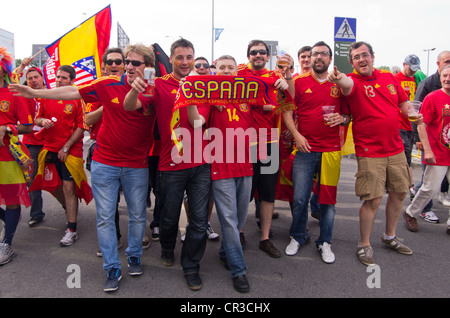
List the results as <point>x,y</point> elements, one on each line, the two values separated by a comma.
<point>374,105</point>
<point>232,128</point>
<point>310,96</point>
<point>33,107</point>
<point>436,114</point>
<point>262,119</point>
<point>185,149</point>
<point>124,138</point>
<point>13,109</point>
<point>410,87</point>
<point>90,107</point>
<point>69,117</point>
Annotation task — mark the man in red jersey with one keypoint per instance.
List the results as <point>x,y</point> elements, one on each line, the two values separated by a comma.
<point>435,137</point>
<point>35,79</point>
<point>266,166</point>
<point>14,119</point>
<point>231,175</point>
<point>374,98</point>
<point>113,61</point>
<point>182,165</point>
<point>120,159</point>
<point>318,143</point>
<point>63,136</point>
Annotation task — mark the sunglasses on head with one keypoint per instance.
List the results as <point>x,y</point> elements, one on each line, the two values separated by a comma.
<point>255,52</point>
<point>110,62</point>
<point>134,63</point>
<point>198,65</point>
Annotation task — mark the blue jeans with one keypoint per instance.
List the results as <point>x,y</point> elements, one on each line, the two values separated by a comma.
<point>232,197</point>
<point>106,181</point>
<point>197,184</point>
<point>303,169</point>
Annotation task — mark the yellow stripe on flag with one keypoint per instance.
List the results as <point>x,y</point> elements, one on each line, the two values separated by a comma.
<point>11,173</point>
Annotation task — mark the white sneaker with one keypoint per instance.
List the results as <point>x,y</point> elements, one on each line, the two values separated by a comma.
<point>292,248</point>
<point>6,253</point>
<point>211,234</point>
<point>69,238</point>
<point>430,216</point>
<point>326,253</point>
<point>444,198</point>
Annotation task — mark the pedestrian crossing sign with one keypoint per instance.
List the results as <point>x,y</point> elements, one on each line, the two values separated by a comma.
<point>345,29</point>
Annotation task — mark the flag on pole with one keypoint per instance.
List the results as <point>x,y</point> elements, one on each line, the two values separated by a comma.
<point>82,47</point>
<point>218,32</point>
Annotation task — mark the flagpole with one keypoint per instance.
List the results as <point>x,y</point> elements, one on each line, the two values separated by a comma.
<point>213,35</point>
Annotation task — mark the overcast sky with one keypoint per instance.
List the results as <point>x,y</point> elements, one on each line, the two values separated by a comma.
<point>394,28</point>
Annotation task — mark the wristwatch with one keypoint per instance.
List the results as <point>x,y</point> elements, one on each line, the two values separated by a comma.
<point>65,149</point>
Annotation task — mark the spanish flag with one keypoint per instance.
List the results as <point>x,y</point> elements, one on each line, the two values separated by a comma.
<point>82,47</point>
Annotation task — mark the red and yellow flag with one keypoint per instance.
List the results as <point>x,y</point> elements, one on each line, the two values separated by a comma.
<point>82,47</point>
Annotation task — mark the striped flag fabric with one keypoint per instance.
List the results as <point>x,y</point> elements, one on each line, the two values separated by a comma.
<point>82,47</point>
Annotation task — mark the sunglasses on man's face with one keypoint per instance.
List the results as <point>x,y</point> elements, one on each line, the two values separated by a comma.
<point>255,52</point>
<point>198,65</point>
<point>134,63</point>
<point>110,62</point>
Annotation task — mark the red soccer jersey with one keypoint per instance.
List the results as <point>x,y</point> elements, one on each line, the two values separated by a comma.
<point>232,128</point>
<point>69,117</point>
<point>90,107</point>
<point>436,114</point>
<point>12,110</point>
<point>185,152</point>
<point>374,106</point>
<point>124,137</point>
<point>410,87</point>
<point>263,120</point>
<point>33,107</point>
<point>310,96</point>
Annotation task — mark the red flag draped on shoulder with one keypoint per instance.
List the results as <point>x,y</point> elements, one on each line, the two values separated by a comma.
<point>82,48</point>
<point>225,90</point>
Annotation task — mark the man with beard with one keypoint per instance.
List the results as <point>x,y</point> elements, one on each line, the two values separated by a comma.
<point>264,182</point>
<point>318,144</point>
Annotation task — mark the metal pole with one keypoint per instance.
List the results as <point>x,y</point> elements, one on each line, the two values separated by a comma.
<point>428,58</point>
<point>213,35</point>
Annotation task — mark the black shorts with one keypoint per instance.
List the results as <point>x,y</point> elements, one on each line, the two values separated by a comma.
<point>265,184</point>
<point>63,172</point>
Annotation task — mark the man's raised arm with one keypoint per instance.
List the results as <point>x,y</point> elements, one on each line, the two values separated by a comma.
<point>345,83</point>
<point>60,93</point>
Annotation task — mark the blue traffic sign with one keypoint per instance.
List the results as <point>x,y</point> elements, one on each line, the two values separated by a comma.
<point>345,29</point>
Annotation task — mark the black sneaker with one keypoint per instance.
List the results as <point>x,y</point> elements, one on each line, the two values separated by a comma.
<point>35,221</point>
<point>155,233</point>
<point>134,266</point>
<point>112,280</point>
<point>167,257</point>
<point>240,284</point>
<point>193,281</point>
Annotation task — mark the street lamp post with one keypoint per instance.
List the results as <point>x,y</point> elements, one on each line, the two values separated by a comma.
<point>428,58</point>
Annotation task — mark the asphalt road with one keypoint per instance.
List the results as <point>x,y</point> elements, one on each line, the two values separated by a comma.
<point>42,268</point>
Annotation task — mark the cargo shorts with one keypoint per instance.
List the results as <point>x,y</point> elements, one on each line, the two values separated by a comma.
<point>375,176</point>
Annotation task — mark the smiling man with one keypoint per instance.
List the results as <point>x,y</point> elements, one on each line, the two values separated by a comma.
<point>120,158</point>
<point>374,99</point>
<point>317,143</point>
<point>180,168</point>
